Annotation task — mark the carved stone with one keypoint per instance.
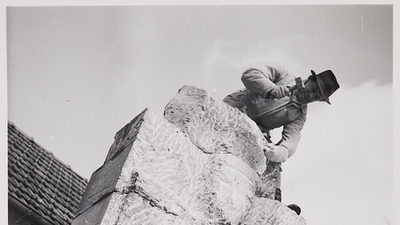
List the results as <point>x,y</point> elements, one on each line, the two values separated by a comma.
<point>203,164</point>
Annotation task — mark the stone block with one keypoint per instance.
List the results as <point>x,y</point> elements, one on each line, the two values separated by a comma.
<point>165,167</point>
<point>216,127</point>
<point>201,164</point>
<point>179,176</point>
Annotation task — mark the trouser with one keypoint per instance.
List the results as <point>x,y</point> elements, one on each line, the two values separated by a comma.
<point>273,166</point>
<point>278,192</point>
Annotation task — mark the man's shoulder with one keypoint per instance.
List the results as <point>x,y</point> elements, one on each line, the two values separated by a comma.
<point>269,68</point>
<point>277,71</point>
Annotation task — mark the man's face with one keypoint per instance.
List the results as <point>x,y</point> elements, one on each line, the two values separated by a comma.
<point>310,93</point>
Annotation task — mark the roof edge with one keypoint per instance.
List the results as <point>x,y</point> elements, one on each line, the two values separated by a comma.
<point>26,211</point>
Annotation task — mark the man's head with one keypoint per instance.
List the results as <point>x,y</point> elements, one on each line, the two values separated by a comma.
<point>318,87</point>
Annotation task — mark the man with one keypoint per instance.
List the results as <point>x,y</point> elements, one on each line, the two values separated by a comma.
<point>268,100</point>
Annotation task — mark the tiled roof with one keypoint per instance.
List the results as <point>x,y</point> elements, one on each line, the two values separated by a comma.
<point>41,182</point>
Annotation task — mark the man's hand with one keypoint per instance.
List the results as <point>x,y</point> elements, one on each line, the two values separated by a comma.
<point>280,92</point>
<point>276,153</point>
<point>268,151</point>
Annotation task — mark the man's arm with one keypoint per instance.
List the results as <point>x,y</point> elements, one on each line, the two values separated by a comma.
<point>262,82</point>
<point>291,135</point>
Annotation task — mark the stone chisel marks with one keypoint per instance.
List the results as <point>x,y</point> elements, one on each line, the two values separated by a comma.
<point>199,168</point>
<point>164,167</point>
<point>133,209</point>
<point>216,127</point>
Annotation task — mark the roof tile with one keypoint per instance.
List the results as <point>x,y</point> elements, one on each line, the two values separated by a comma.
<point>41,182</point>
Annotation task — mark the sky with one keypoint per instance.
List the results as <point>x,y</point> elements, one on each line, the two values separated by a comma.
<point>76,75</point>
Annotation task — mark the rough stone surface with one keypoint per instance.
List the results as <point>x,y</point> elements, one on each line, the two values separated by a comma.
<point>163,165</point>
<point>133,209</point>
<point>270,212</point>
<point>269,181</point>
<point>179,176</point>
<point>156,172</point>
<point>216,127</point>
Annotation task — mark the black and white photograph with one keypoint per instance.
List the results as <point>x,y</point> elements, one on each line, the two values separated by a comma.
<point>208,113</point>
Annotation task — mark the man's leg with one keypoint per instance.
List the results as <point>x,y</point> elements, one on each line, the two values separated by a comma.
<point>278,192</point>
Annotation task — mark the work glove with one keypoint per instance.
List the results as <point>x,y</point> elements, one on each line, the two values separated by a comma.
<point>276,153</point>
<point>280,92</point>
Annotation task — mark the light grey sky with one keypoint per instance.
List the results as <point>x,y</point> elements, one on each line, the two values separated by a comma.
<point>76,75</point>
